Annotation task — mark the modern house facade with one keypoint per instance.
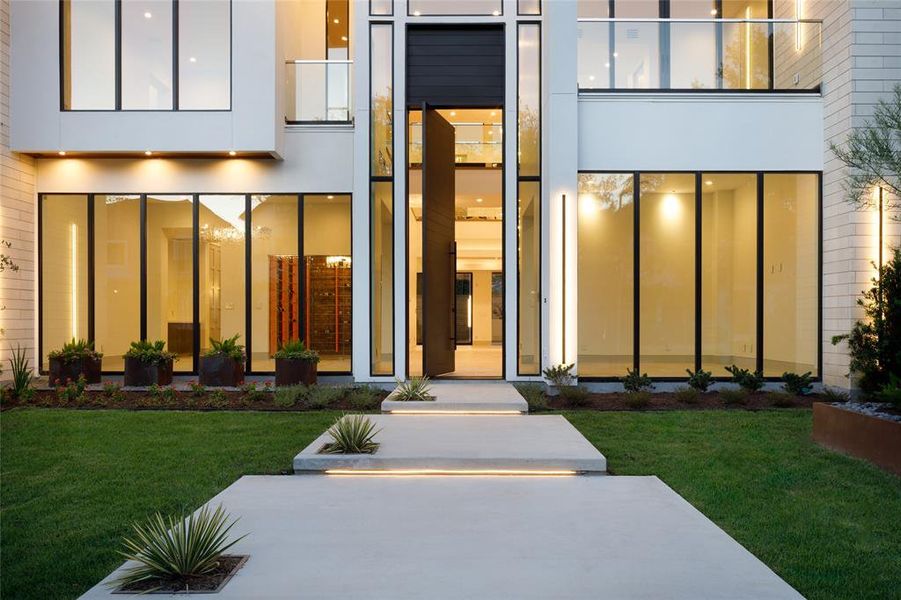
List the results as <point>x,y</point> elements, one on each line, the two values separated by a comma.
<point>468,188</point>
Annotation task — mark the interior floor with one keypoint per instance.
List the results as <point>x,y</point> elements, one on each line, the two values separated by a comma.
<point>477,360</point>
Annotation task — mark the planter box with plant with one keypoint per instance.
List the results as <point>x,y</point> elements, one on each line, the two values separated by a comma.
<point>352,434</point>
<point>871,438</point>
<point>559,376</point>
<point>223,364</point>
<point>295,364</point>
<point>148,363</point>
<point>415,390</point>
<point>179,554</point>
<point>75,359</point>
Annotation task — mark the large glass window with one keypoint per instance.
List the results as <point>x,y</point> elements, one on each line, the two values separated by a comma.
<point>745,46</point>
<point>455,7</point>
<point>382,102</point>
<point>728,272</point>
<point>89,54</point>
<point>204,56</point>
<point>606,221</point>
<point>327,279</point>
<point>529,100</point>
<point>790,273</point>
<point>276,280</point>
<point>64,271</point>
<point>147,55</point>
<point>221,263</point>
<point>382,278</point>
<point>667,273</point>
<point>170,275</point>
<point>117,276</point>
<point>692,51</point>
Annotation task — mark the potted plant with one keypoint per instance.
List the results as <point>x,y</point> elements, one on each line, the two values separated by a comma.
<point>75,359</point>
<point>223,364</point>
<point>295,363</point>
<point>148,363</point>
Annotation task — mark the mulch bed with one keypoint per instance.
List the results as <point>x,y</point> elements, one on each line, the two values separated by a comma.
<point>670,401</point>
<point>209,583</point>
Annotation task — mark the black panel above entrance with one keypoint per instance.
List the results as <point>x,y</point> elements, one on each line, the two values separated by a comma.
<point>453,65</point>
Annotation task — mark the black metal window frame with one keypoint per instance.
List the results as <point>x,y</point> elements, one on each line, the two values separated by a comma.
<point>118,62</point>
<point>666,54</point>
<point>195,207</point>
<point>520,179</point>
<point>698,316</point>
<point>373,180</point>
<point>390,12</point>
<point>520,12</point>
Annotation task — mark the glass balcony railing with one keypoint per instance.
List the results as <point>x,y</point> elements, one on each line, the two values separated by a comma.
<point>318,91</point>
<point>475,143</point>
<point>688,55</point>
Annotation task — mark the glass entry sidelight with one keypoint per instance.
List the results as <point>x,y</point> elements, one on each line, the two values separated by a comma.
<point>467,241</point>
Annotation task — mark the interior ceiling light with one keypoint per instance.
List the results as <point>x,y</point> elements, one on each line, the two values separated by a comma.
<point>147,15</point>
<point>708,182</point>
<point>478,199</point>
<point>713,11</point>
<point>147,153</point>
<point>335,21</point>
<point>453,113</point>
<point>232,153</point>
<point>496,13</point>
<point>416,13</point>
<point>62,152</point>
<point>330,197</point>
<point>193,59</point>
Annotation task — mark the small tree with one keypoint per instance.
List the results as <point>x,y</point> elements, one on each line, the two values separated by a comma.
<point>875,343</point>
<point>873,154</point>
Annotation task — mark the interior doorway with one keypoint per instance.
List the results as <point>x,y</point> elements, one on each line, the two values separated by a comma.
<point>455,244</point>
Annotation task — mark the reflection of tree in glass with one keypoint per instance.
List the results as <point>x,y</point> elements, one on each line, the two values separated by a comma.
<point>382,134</point>
<point>529,125</point>
<point>614,192</point>
<point>735,60</point>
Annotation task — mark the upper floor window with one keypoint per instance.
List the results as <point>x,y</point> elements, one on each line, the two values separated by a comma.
<point>146,54</point>
<point>419,8</point>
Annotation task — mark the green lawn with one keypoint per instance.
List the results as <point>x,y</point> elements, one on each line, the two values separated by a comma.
<point>73,480</point>
<point>827,524</point>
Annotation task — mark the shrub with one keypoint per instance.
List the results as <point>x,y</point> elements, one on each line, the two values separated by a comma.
<point>891,391</point>
<point>289,395</point>
<point>295,349</point>
<point>635,382</point>
<point>75,350</point>
<point>163,393</point>
<point>782,399</point>
<point>560,375</point>
<point>253,393</point>
<point>415,390</point>
<point>799,385</point>
<point>575,395</point>
<point>22,375</point>
<point>833,395</point>
<point>638,399</point>
<point>113,392</point>
<point>875,343</point>
<point>533,394</point>
<point>739,396</point>
<point>699,380</point>
<point>323,396</point>
<point>227,347</point>
<point>363,397</point>
<point>150,352</point>
<point>176,548</point>
<point>198,390</point>
<point>73,391</point>
<point>218,399</point>
<point>750,382</point>
<point>352,434</point>
<point>688,395</point>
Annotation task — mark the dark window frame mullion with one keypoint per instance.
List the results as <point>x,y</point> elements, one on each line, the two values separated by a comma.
<point>175,105</point>
<point>195,258</point>
<point>698,271</point>
<point>301,272</point>
<point>720,57</point>
<point>143,275</point>
<point>90,267</point>
<point>248,284</point>
<point>118,54</point>
<point>636,270</point>
<point>760,263</point>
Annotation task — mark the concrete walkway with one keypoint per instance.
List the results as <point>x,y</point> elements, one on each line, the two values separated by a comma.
<point>464,396</point>
<point>491,524</point>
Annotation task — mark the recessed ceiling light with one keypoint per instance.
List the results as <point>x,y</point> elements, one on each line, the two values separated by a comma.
<point>607,65</point>
<point>708,182</point>
<point>147,152</point>
<point>62,153</point>
<point>713,11</point>
<point>335,21</point>
<point>496,13</point>
<point>193,59</point>
<point>147,15</point>
<point>416,13</point>
<point>591,78</point>
<point>453,113</point>
<point>343,38</point>
<point>616,55</point>
<point>232,153</point>
<point>478,199</point>
<point>330,197</point>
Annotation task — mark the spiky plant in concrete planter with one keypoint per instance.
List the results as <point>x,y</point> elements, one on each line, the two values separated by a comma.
<point>352,434</point>
<point>148,363</point>
<point>74,360</point>
<point>415,390</point>
<point>178,554</point>
<point>295,364</point>
<point>223,364</point>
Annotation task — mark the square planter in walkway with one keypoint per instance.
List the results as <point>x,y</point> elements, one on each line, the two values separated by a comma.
<point>862,436</point>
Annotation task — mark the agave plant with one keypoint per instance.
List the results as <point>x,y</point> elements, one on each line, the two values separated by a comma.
<point>416,389</point>
<point>228,347</point>
<point>352,434</point>
<point>176,547</point>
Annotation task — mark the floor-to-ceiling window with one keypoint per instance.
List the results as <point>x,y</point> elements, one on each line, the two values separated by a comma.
<point>715,285</point>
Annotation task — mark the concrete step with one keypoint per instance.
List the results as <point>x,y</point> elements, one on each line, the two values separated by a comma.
<point>464,444</point>
<point>463,397</point>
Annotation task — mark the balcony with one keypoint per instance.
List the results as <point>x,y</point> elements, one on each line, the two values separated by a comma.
<point>691,55</point>
<point>318,91</point>
<point>475,144</point>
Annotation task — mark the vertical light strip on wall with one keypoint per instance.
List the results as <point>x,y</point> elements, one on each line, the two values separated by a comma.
<point>798,25</point>
<point>748,49</point>
<point>73,266</point>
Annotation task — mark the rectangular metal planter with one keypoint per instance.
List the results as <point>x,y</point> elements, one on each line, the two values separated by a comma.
<point>862,436</point>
